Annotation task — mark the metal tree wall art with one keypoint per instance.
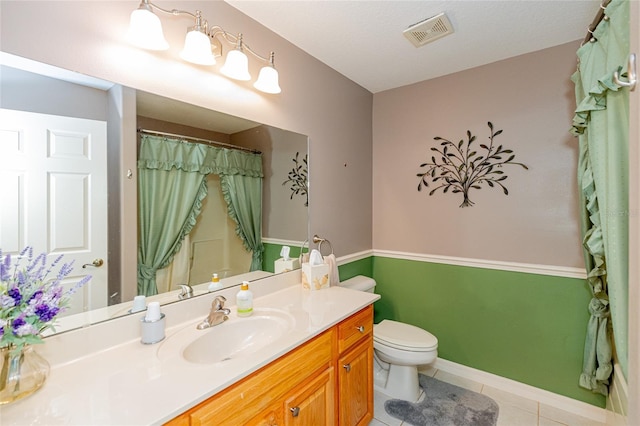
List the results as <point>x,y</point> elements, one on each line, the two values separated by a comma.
<point>461,167</point>
<point>297,177</point>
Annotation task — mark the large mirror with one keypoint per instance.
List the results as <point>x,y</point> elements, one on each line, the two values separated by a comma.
<point>88,211</point>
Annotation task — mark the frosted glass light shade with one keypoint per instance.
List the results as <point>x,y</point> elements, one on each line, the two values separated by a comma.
<point>197,49</point>
<point>268,80</point>
<point>145,30</point>
<point>236,66</point>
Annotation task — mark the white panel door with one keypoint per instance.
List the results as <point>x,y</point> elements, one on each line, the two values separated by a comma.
<point>53,194</point>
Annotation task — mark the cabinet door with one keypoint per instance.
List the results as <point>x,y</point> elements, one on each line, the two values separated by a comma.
<point>311,404</point>
<point>355,385</point>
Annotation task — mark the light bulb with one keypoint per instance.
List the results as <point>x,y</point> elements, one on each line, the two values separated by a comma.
<point>268,80</point>
<point>236,66</point>
<point>197,48</point>
<point>145,29</point>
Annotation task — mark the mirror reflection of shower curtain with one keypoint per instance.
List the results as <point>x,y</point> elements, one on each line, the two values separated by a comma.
<point>177,272</point>
<point>172,186</point>
<point>243,195</point>
<point>169,201</point>
<point>215,246</point>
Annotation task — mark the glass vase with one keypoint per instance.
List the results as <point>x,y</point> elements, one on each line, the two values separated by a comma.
<point>22,372</point>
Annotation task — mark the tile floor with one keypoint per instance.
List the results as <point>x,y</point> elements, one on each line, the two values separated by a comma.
<point>514,410</point>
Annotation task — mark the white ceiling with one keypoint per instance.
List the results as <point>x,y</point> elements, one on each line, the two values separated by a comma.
<point>362,39</point>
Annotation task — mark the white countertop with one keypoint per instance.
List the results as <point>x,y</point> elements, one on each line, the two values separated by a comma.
<point>72,322</point>
<point>129,384</point>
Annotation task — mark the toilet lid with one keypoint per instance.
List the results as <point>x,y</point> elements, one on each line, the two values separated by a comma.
<point>401,335</point>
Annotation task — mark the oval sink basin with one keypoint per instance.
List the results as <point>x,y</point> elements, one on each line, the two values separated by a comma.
<point>238,337</point>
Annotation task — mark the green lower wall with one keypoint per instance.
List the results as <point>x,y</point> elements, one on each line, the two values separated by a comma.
<point>269,256</point>
<point>526,327</point>
<point>358,267</point>
<point>272,253</point>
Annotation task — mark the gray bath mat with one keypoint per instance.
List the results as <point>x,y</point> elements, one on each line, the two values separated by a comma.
<point>445,405</point>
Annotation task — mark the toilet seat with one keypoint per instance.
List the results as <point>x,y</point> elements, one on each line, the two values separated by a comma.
<point>404,336</point>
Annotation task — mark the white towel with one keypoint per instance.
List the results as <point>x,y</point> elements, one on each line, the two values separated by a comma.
<point>334,277</point>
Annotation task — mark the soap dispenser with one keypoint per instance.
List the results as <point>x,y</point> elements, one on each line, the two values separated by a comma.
<point>215,283</point>
<point>244,300</point>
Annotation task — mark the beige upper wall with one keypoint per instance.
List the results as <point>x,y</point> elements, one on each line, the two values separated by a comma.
<point>283,217</point>
<point>334,112</point>
<point>23,91</point>
<point>531,98</point>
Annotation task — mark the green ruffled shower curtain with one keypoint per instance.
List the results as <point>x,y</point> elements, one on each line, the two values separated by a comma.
<point>171,187</point>
<point>601,123</point>
<point>243,195</point>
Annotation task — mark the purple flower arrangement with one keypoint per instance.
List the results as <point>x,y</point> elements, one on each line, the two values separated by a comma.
<point>29,298</point>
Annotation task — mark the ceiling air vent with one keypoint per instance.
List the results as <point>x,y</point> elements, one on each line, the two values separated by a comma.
<point>428,30</point>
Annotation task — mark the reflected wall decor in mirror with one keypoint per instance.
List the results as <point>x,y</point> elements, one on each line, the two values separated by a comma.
<point>90,186</point>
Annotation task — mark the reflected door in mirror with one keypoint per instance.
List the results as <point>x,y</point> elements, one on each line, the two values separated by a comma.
<point>54,193</point>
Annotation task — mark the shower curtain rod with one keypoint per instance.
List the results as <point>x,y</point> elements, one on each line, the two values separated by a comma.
<point>199,140</point>
<point>599,17</point>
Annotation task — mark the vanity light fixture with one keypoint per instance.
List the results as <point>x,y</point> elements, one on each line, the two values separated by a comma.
<point>197,47</point>
<point>236,65</point>
<point>145,31</point>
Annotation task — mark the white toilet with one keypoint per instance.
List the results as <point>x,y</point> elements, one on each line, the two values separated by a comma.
<point>398,351</point>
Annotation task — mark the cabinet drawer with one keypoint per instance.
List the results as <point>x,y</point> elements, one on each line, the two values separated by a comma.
<point>354,328</point>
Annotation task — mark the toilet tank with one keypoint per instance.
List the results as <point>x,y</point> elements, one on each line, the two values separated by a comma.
<point>360,283</point>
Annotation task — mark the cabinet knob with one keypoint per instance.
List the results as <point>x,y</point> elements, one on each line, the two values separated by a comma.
<point>347,367</point>
<point>360,328</point>
<point>295,411</point>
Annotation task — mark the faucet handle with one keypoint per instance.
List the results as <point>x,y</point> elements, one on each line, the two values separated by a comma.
<point>187,291</point>
<point>218,302</point>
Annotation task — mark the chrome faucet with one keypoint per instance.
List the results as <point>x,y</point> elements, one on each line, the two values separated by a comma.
<point>217,315</point>
<point>186,293</point>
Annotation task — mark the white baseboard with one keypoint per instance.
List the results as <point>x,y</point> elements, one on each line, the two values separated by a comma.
<point>526,391</point>
<point>617,401</point>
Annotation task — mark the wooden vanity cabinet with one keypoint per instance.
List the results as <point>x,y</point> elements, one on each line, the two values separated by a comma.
<point>302,387</point>
<point>355,369</point>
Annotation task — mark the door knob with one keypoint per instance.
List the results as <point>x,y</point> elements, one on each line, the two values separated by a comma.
<point>347,367</point>
<point>295,411</point>
<point>96,263</point>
